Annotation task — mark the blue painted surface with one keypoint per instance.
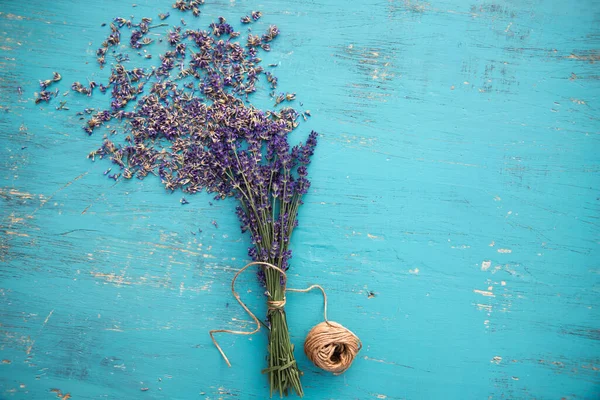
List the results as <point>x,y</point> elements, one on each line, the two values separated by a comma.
<point>453,216</point>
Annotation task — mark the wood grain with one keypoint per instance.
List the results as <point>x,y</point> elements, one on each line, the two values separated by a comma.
<point>453,216</point>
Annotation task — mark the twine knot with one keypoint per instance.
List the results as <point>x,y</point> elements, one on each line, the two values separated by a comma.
<point>273,305</point>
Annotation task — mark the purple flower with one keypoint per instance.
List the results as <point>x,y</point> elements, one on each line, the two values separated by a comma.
<point>271,34</point>
<point>256,15</point>
<point>302,186</point>
<point>174,36</point>
<point>43,96</point>
<point>221,28</point>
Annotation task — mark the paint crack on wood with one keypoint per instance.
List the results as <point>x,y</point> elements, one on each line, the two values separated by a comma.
<point>45,200</point>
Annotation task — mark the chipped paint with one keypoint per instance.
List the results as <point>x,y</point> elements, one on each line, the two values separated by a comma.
<point>111,278</point>
<point>16,233</point>
<point>486,293</point>
<point>48,317</point>
<point>578,101</point>
<point>484,307</point>
<point>12,192</point>
<point>591,56</point>
<point>485,265</point>
<point>12,16</point>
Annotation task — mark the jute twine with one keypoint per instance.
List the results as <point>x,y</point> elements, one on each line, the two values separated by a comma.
<point>329,345</point>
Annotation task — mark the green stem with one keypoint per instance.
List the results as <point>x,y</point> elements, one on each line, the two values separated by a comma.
<point>157,26</point>
<point>284,375</point>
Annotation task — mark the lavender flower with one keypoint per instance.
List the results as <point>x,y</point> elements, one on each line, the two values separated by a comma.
<point>256,15</point>
<point>43,96</point>
<point>188,121</point>
<point>221,28</point>
<point>174,36</point>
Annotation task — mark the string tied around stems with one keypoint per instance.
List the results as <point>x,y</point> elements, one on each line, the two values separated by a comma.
<point>329,345</point>
<point>275,305</point>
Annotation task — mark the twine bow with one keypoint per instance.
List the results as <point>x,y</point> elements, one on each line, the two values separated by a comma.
<point>329,345</point>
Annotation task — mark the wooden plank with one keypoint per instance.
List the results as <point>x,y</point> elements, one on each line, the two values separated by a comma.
<point>453,216</point>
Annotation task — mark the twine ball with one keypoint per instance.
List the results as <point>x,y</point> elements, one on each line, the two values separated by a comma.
<point>332,347</point>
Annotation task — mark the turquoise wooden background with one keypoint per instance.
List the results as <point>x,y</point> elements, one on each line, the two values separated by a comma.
<point>453,217</point>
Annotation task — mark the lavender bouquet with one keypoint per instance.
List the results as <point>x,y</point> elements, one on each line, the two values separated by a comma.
<point>195,129</point>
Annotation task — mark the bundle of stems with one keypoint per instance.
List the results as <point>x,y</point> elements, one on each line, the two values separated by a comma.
<point>269,211</point>
<point>283,371</point>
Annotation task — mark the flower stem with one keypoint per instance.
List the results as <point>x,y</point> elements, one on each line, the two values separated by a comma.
<point>284,375</point>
